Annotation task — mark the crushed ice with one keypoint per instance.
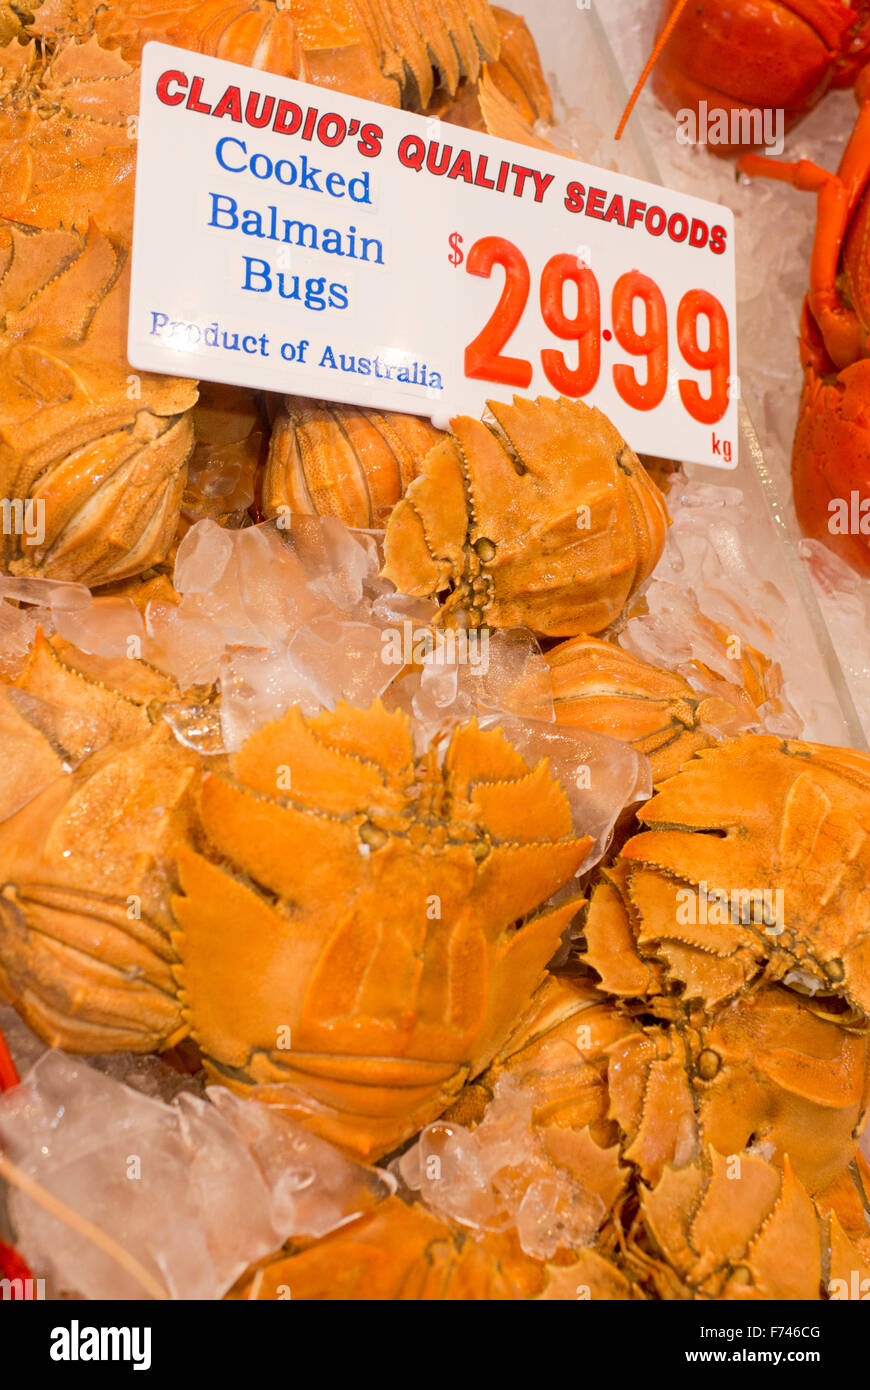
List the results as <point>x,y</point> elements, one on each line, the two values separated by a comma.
<point>709,598</point>
<point>195,1190</point>
<point>499,1177</point>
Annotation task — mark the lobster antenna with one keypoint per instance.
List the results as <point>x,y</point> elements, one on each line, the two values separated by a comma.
<point>650,64</point>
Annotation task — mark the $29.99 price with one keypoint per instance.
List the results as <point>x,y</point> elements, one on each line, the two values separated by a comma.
<point>485,359</point>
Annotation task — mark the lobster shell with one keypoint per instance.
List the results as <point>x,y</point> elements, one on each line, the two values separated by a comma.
<point>768,54</point>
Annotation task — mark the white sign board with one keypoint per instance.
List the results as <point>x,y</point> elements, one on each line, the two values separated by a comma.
<point>288,238</point>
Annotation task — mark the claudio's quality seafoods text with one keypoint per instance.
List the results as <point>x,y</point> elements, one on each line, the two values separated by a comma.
<point>317,225</point>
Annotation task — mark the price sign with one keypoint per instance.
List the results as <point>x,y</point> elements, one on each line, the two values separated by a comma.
<point>288,238</point>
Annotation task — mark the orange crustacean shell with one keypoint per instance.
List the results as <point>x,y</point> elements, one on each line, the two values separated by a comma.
<point>500,117</point>
<point>349,938</point>
<point>67,140</point>
<point>758,679</point>
<point>736,1228</point>
<point>612,1094</point>
<point>756,815</point>
<point>518,72</point>
<point>257,33</point>
<point>10,22</point>
<point>771,1069</point>
<point>400,1252</point>
<point>342,460</point>
<point>598,686</point>
<point>542,518</point>
<point>94,801</point>
<point>392,51</point>
<point>732,919</point>
<point>515,81</point>
<point>848,1200</point>
<point>422,42</point>
<point>777,1069</point>
<point>347,49</point>
<point>94,459</point>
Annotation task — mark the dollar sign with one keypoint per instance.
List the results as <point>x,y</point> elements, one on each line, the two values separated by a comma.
<point>455,255</point>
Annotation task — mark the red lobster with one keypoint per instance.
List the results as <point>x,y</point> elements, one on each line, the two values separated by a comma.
<point>831,453</point>
<point>788,53</point>
<point>765,54</point>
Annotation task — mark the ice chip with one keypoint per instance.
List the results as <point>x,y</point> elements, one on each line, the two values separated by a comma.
<point>844,598</point>
<point>710,597</point>
<point>17,633</point>
<point>599,775</point>
<point>338,560</point>
<point>448,1168</point>
<point>394,610</point>
<point>149,1074</point>
<point>225,1188</point>
<point>342,661</point>
<point>257,687</point>
<point>187,645</point>
<point>111,627</point>
<point>271,584</point>
<point>45,593</point>
<point>314,1188</point>
<point>197,724</point>
<point>438,685</point>
<point>202,558</point>
<point>509,672</point>
<point>555,1213</point>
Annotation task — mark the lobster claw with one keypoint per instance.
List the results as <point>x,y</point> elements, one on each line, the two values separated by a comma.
<point>831,454</point>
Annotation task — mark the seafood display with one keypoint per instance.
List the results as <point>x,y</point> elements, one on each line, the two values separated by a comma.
<point>417,832</point>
